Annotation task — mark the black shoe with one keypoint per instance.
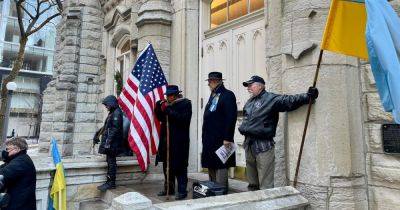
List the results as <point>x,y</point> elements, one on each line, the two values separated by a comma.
<point>164,193</point>
<point>106,186</point>
<point>180,196</point>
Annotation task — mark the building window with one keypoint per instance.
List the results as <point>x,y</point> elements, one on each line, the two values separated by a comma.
<point>223,11</point>
<point>124,61</point>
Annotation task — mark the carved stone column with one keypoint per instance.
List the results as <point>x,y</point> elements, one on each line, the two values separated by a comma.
<point>154,26</point>
<point>71,98</point>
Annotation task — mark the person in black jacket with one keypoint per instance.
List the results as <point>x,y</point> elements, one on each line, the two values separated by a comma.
<point>261,115</point>
<point>19,175</point>
<point>111,143</point>
<point>178,110</point>
<point>219,121</point>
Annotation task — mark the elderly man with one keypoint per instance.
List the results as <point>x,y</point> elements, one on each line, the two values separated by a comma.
<point>178,111</point>
<point>261,115</point>
<point>19,175</point>
<point>219,122</point>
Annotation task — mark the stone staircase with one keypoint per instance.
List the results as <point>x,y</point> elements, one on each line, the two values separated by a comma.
<point>237,198</point>
<point>150,190</point>
<point>105,200</point>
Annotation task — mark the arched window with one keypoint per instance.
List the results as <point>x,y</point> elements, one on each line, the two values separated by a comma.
<point>223,11</point>
<point>124,61</point>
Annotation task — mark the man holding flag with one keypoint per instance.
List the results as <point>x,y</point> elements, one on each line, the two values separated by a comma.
<point>145,86</point>
<point>367,29</point>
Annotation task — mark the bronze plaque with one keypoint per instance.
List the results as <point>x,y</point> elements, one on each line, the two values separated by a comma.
<point>391,138</point>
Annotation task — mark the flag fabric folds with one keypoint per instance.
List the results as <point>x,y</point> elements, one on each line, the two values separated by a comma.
<point>58,190</point>
<point>383,41</point>
<point>345,28</point>
<point>145,85</point>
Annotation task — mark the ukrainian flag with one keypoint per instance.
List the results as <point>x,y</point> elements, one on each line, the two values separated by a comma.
<point>58,192</point>
<point>345,28</point>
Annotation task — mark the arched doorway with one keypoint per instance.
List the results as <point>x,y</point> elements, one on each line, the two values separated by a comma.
<point>232,41</point>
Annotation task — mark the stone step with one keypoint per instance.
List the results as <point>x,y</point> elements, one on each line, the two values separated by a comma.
<point>94,205</point>
<point>108,196</point>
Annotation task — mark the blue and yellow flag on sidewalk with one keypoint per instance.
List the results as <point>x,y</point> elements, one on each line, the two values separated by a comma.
<point>383,40</point>
<point>345,28</point>
<point>58,192</point>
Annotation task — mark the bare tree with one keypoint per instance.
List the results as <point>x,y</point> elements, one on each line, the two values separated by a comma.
<point>32,17</point>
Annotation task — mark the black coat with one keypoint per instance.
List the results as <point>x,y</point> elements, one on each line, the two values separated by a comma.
<point>261,113</point>
<point>218,125</point>
<point>112,130</point>
<point>179,115</point>
<point>20,181</point>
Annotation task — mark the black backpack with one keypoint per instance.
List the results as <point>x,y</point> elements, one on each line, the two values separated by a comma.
<point>126,123</point>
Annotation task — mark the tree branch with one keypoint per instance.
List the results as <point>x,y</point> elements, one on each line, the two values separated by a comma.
<point>27,12</point>
<point>43,24</point>
<point>19,14</point>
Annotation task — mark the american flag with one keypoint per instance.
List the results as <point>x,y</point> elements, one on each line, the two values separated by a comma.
<point>144,87</point>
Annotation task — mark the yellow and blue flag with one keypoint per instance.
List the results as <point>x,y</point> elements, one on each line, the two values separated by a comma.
<point>383,41</point>
<point>345,28</point>
<point>58,193</point>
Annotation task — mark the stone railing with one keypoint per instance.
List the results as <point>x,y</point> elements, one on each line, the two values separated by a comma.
<point>82,176</point>
<point>276,198</point>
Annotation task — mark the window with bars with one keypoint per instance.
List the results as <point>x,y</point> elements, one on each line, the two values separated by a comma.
<point>222,11</point>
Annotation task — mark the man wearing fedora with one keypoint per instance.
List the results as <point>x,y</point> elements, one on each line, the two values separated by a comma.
<point>260,118</point>
<point>219,121</point>
<point>178,111</point>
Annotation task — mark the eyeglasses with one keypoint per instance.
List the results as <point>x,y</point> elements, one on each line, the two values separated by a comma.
<point>10,149</point>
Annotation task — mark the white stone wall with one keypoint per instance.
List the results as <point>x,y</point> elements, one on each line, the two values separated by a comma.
<point>383,170</point>
<point>184,63</point>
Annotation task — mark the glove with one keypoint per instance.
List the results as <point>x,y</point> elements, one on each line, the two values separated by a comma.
<point>313,93</point>
<point>96,139</point>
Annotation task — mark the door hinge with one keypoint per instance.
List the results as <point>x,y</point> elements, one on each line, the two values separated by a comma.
<point>202,52</point>
<point>201,103</point>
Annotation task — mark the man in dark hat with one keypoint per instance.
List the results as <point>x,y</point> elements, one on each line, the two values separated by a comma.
<point>177,112</point>
<point>219,122</point>
<point>261,115</point>
<point>112,142</point>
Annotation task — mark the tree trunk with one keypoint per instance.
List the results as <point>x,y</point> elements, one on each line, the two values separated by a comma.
<point>11,77</point>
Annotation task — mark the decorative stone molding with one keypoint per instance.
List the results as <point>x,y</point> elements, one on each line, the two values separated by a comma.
<point>155,12</point>
<point>121,12</point>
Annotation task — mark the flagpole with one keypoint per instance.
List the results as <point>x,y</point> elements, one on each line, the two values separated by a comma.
<point>167,158</point>
<point>59,200</point>
<point>307,119</point>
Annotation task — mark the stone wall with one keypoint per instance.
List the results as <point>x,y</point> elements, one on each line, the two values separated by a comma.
<point>383,170</point>
<point>71,98</point>
<point>332,171</point>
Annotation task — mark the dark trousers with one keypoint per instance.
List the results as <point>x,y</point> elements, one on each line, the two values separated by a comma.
<point>111,166</point>
<point>181,178</point>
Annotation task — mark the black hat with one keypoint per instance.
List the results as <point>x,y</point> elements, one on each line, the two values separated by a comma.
<point>172,90</point>
<point>254,79</point>
<point>214,75</point>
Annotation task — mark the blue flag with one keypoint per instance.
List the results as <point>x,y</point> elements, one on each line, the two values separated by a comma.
<point>383,42</point>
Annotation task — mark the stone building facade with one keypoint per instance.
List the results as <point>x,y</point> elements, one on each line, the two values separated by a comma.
<point>343,163</point>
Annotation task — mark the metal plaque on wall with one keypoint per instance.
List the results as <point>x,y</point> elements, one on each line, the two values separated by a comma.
<point>391,138</point>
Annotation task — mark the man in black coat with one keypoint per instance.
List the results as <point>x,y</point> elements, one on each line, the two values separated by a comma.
<point>260,118</point>
<point>19,175</point>
<point>178,111</point>
<point>112,142</point>
<point>219,122</point>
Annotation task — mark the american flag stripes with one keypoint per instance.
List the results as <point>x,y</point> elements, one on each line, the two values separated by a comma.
<point>144,87</point>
